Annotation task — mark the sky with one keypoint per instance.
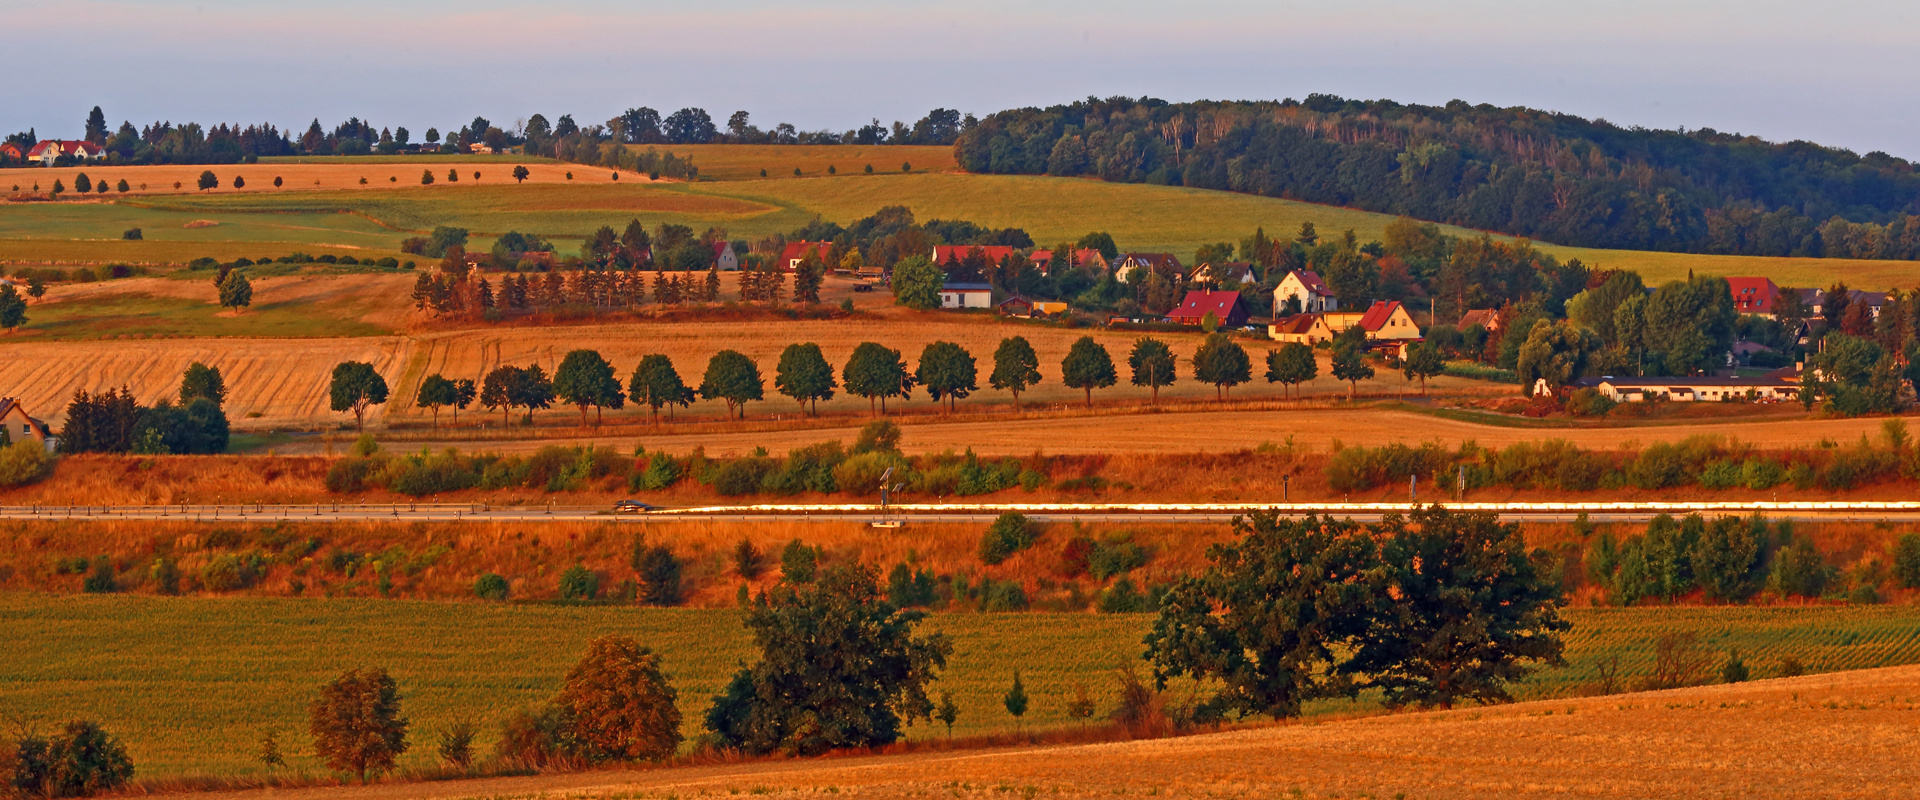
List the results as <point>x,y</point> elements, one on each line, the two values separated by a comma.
<point>1844,77</point>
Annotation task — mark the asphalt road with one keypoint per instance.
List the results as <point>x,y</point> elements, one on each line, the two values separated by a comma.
<point>1117,513</point>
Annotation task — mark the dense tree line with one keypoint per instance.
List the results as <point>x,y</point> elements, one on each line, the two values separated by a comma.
<point>1521,171</point>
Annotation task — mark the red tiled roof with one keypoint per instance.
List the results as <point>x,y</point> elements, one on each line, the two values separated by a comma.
<point>1296,324</point>
<point>1753,295</point>
<point>958,252</point>
<point>795,251</point>
<point>61,148</point>
<point>1312,281</point>
<point>1377,316</point>
<point>1198,304</point>
<point>1483,317</point>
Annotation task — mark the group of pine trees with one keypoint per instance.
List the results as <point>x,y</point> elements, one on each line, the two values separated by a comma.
<point>114,422</point>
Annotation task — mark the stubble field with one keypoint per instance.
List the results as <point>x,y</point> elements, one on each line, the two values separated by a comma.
<point>192,683</point>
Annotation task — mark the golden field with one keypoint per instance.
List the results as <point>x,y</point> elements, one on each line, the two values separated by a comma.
<point>401,173</point>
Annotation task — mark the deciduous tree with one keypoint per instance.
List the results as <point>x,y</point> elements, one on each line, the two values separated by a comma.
<point>732,377</point>
<point>1015,367</point>
<point>1222,362</point>
<point>355,386</point>
<point>1153,365</point>
<point>948,371</point>
<point>804,375</point>
<point>356,723</point>
<point>586,379</point>
<point>876,372</point>
<point>1292,365</point>
<point>657,384</point>
<point>620,703</point>
<point>916,283</point>
<point>1088,367</point>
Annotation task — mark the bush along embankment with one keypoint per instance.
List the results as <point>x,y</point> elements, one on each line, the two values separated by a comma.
<point>1703,462</point>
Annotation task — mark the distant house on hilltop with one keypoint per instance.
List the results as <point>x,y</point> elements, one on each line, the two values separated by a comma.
<point>1223,272</point>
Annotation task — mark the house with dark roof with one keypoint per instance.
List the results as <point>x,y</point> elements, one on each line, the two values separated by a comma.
<point>1754,296</point>
<point>1305,287</point>
<point>17,426</point>
<point>1227,307</point>
<point>1224,272</point>
<point>1488,319</point>
<point>1816,300</point>
<point>1085,258</point>
<point>1165,262</point>
<point>966,295</point>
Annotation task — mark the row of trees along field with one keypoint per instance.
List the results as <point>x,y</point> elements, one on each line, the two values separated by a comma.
<point>1521,171</point>
<point>113,422</point>
<point>193,143</point>
<point>946,372</point>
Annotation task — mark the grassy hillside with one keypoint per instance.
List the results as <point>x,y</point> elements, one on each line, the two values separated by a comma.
<point>191,684</point>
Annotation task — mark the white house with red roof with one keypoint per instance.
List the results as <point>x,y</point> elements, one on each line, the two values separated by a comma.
<point>1305,287</point>
<point>1753,296</point>
<point>795,252</point>
<point>46,151</point>
<point>1388,320</point>
<point>1227,307</point>
<point>1163,262</point>
<point>725,258</point>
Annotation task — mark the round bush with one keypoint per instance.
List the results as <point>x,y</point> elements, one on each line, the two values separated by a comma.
<point>490,586</point>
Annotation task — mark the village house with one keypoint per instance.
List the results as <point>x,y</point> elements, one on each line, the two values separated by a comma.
<point>1088,259</point>
<point>1769,388</point>
<point>1227,307</point>
<point>10,151</point>
<point>795,252</point>
<point>724,258</point>
<point>47,151</point>
<point>966,295</point>
<point>1148,261</point>
<point>1816,300</point>
<point>943,253</point>
<point>17,426</point>
<point>1389,327</point>
<point>1753,296</point>
<point>1312,329</point>
<point>1304,287</point>
<point>1487,318</point>
<point>1224,272</point>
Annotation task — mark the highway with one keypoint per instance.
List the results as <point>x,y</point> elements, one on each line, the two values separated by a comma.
<point>1844,511</point>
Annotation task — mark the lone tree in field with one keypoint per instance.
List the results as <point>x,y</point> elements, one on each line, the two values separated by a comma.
<point>876,372</point>
<point>1015,367</point>
<point>732,377</point>
<point>1016,699</point>
<point>948,371</point>
<point>1423,361</point>
<point>1350,362</point>
<point>586,379</point>
<point>1222,362</point>
<point>236,292</point>
<point>520,173</point>
<point>839,667</point>
<point>240,181</point>
<point>208,180</point>
<point>13,308</point>
<point>1088,367</point>
<point>200,381</point>
<point>436,391</point>
<point>356,385</point>
<point>916,283</point>
<point>426,178</point>
<point>1153,365</point>
<point>620,703</point>
<point>655,383</point>
<point>805,375</point>
<point>356,723</point>
<point>1291,365</point>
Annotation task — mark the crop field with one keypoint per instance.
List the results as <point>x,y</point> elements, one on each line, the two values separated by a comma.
<point>186,304</point>
<point>1152,218</point>
<point>191,684</point>
<point>732,162</point>
<point>1829,736</point>
<point>315,175</point>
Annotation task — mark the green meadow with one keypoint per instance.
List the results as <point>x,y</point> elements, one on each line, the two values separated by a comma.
<point>191,684</point>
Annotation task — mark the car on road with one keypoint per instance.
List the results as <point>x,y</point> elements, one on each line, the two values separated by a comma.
<point>633,507</point>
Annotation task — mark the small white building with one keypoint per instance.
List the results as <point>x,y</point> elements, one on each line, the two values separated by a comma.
<point>1691,389</point>
<point>966,295</point>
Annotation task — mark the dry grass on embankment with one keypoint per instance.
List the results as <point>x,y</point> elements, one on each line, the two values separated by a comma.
<point>1841,735</point>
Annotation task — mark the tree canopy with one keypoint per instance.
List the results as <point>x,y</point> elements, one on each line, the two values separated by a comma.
<point>355,386</point>
<point>1088,367</point>
<point>733,377</point>
<point>656,384</point>
<point>804,375</point>
<point>876,372</point>
<point>586,379</point>
<point>1153,365</point>
<point>947,371</point>
<point>1015,366</point>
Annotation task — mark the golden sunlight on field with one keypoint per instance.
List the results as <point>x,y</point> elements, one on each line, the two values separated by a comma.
<point>399,174</point>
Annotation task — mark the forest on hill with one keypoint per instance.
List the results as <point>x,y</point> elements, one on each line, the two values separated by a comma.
<point>1539,174</point>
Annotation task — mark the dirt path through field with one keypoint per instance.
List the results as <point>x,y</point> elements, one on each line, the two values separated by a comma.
<point>1841,735</point>
<point>1196,431</point>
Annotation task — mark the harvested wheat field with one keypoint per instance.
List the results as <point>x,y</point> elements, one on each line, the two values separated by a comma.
<point>400,173</point>
<point>1845,735</point>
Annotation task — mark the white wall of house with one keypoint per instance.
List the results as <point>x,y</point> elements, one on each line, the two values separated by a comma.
<point>965,298</point>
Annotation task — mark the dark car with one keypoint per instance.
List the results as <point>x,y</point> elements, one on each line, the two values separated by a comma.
<point>633,507</point>
<point>863,287</point>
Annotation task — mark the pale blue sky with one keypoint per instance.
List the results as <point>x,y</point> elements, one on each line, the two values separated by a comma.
<point>1847,77</point>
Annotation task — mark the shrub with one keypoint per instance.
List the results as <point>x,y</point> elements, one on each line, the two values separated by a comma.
<point>748,561</point>
<point>1658,467</point>
<point>659,571</point>
<point>1799,571</point>
<point>1075,556</point>
<point>1002,596</point>
<point>229,572</point>
<point>1359,468</point>
<point>165,575</point>
<point>1116,558</point>
<point>22,463</point>
<point>798,563</point>
<point>351,475</point>
<point>1009,534</point>
<point>1588,403</point>
<point>806,469</point>
<point>537,739</point>
<point>620,703</point>
<point>1722,474</point>
<point>878,436</point>
<point>661,472</point>
<point>860,473</point>
<point>81,760</point>
<point>1854,467</point>
<point>910,588</point>
<point>100,578</point>
<point>491,586</point>
<point>456,745</point>
<point>1123,598</point>
<point>579,583</point>
<point>1735,670</point>
<point>741,476</point>
<point>1760,473</point>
